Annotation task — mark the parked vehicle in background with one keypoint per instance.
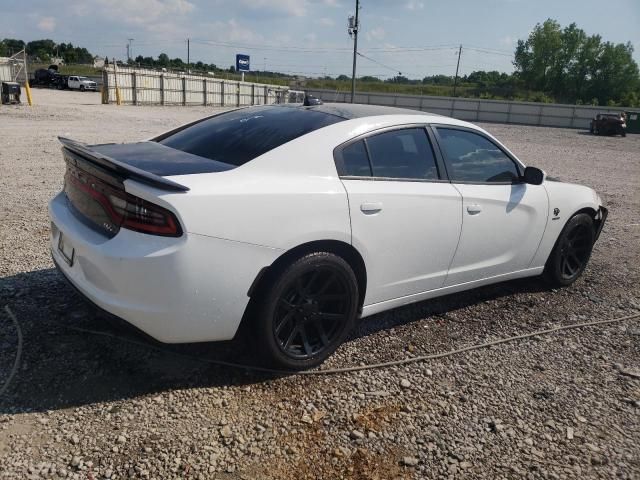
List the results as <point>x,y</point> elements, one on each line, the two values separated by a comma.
<point>609,124</point>
<point>81,83</point>
<point>45,77</point>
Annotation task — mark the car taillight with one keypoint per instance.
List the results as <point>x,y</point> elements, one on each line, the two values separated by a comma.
<point>126,210</point>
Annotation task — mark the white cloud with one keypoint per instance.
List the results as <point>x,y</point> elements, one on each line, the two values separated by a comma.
<point>293,8</point>
<point>414,5</point>
<point>326,22</point>
<point>377,33</point>
<point>47,24</point>
<point>331,3</point>
<point>508,41</point>
<point>232,31</point>
<point>142,12</point>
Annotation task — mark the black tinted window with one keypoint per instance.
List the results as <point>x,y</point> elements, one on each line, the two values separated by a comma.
<point>355,161</point>
<point>239,136</point>
<point>402,154</point>
<point>472,158</point>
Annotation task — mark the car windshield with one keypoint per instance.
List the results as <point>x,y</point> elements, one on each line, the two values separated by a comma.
<point>82,78</point>
<point>239,136</point>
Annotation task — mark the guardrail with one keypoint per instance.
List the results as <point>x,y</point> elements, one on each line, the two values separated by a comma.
<point>138,86</point>
<point>480,110</point>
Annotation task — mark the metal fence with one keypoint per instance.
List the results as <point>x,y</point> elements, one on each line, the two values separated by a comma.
<point>12,68</point>
<point>479,110</point>
<point>139,86</point>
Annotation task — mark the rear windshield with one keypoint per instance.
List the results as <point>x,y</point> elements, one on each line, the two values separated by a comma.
<point>239,136</point>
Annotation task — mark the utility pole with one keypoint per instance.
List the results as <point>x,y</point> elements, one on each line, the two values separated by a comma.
<point>129,50</point>
<point>455,83</point>
<point>188,55</point>
<point>354,26</point>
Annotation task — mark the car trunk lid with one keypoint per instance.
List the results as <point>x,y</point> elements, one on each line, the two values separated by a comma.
<point>94,184</point>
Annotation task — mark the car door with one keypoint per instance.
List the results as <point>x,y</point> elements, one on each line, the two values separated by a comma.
<point>405,216</point>
<point>503,218</point>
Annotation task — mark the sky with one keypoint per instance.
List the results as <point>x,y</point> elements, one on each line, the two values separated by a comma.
<point>309,37</point>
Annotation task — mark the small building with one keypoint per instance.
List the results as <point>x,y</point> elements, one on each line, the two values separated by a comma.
<point>56,61</point>
<point>98,62</point>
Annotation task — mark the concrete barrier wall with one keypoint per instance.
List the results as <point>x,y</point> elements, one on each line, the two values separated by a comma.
<point>478,110</point>
<point>149,87</point>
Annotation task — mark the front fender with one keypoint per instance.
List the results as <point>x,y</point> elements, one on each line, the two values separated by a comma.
<point>565,200</point>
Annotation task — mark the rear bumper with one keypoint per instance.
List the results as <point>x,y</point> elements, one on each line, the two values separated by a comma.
<point>187,289</point>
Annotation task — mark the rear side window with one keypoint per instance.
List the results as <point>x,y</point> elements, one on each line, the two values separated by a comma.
<point>355,162</point>
<point>473,158</point>
<point>239,136</point>
<point>403,153</point>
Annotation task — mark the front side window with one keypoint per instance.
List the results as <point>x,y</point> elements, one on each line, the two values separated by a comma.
<point>402,154</point>
<point>473,158</point>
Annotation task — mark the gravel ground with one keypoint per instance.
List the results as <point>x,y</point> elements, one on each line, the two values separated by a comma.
<point>88,407</point>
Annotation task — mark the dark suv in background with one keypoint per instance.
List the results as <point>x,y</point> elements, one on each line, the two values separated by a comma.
<point>609,124</point>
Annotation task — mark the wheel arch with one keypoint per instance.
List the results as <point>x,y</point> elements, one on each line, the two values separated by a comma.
<point>342,249</point>
<point>268,274</point>
<point>588,210</point>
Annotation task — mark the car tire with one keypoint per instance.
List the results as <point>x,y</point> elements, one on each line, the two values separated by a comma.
<point>82,88</point>
<point>306,313</point>
<point>571,253</point>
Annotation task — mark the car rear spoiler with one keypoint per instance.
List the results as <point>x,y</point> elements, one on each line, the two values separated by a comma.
<point>121,168</point>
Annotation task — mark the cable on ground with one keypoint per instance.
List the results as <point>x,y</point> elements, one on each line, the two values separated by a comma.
<point>357,368</point>
<point>329,371</point>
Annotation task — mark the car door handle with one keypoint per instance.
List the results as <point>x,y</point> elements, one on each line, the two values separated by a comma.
<point>369,208</point>
<point>474,209</point>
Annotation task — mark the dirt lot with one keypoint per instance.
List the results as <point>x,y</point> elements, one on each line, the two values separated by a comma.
<point>89,406</point>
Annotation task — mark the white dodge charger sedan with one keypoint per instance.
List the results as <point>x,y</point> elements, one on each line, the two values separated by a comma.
<point>294,221</point>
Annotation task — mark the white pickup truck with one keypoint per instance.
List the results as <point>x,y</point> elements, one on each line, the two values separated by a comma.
<point>81,83</point>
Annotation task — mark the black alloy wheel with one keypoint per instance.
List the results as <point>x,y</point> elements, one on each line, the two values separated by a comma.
<point>575,251</point>
<point>307,313</point>
<point>310,312</point>
<point>572,251</point>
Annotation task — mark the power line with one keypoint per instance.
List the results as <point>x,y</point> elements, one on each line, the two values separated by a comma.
<point>380,63</point>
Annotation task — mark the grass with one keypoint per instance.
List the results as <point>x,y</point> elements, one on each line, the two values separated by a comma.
<point>82,70</point>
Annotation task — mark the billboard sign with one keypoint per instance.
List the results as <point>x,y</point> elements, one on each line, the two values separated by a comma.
<point>242,63</point>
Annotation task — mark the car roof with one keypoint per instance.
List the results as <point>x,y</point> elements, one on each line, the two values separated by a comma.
<point>350,111</point>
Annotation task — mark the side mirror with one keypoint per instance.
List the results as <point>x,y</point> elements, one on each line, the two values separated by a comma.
<point>533,176</point>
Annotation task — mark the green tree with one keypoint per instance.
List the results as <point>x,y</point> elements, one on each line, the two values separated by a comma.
<point>572,66</point>
<point>42,49</point>
<point>616,74</point>
<point>12,46</point>
<point>537,59</point>
<point>163,60</point>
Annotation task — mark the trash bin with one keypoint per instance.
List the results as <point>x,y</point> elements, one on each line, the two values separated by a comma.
<point>10,92</point>
<point>633,122</point>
